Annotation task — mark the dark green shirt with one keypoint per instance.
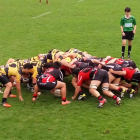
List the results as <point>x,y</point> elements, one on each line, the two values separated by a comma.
<point>128,24</point>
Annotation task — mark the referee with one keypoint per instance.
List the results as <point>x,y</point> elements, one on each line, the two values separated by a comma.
<point>128,29</point>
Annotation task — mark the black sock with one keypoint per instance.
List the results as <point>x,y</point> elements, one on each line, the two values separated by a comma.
<point>4,100</point>
<point>123,50</point>
<point>80,92</point>
<point>129,49</point>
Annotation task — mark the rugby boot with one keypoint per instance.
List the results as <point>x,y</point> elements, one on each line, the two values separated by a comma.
<point>122,93</point>
<point>122,57</point>
<point>101,102</point>
<point>131,92</point>
<point>129,56</point>
<point>82,96</point>
<point>118,101</point>
<point>6,104</point>
<point>12,96</point>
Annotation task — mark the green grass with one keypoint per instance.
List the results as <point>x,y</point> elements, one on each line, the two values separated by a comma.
<point>88,25</point>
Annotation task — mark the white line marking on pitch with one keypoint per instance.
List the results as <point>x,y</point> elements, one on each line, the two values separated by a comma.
<point>42,15</point>
<point>80,0</point>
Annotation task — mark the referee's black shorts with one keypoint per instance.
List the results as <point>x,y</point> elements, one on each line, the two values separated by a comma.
<point>129,35</point>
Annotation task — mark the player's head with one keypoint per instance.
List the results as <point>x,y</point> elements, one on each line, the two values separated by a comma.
<point>57,65</point>
<point>75,71</point>
<point>127,10</point>
<point>47,65</point>
<point>27,67</point>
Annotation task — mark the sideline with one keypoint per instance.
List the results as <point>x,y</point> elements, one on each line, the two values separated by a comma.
<point>80,0</point>
<point>41,15</point>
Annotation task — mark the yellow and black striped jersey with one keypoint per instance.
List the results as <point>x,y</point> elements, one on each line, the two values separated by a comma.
<point>12,69</point>
<point>37,68</point>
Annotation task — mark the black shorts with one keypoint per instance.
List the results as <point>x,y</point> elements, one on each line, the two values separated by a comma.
<point>101,75</point>
<point>116,76</point>
<point>4,79</point>
<point>129,35</point>
<point>47,86</point>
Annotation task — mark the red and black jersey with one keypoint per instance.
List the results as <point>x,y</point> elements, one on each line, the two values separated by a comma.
<point>113,66</point>
<point>129,73</point>
<point>126,63</point>
<point>81,65</point>
<point>119,61</point>
<point>85,75</point>
<point>50,75</point>
<point>55,73</point>
<point>64,68</point>
<point>89,62</point>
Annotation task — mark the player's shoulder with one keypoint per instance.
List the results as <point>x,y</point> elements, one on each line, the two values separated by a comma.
<point>132,17</point>
<point>123,17</point>
<point>13,64</point>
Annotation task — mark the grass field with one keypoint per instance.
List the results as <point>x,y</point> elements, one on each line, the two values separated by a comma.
<point>27,29</point>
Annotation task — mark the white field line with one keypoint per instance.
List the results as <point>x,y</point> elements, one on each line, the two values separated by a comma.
<point>41,15</point>
<point>80,0</point>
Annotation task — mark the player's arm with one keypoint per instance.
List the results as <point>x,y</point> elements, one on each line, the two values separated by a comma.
<point>79,81</point>
<point>34,77</point>
<point>18,86</point>
<point>71,55</point>
<point>77,89</point>
<point>121,28</point>
<point>97,61</point>
<point>65,63</point>
<point>123,73</point>
<point>135,26</point>
<point>111,61</point>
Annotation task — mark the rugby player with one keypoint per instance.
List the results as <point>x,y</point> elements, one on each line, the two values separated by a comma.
<point>52,79</point>
<point>12,69</point>
<point>129,74</point>
<point>95,77</point>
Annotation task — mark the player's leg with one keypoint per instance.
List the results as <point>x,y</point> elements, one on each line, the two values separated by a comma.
<point>123,47</point>
<point>130,38</point>
<point>114,82</point>
<point>81,95</point>
<point>47,1</point>
<point>5,81</point>
<point>62,86</point>
<point>105,89</point>
<point>129,48</point>
<point>39,1</point>
<point>93,90</point>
